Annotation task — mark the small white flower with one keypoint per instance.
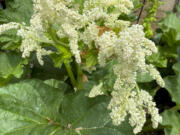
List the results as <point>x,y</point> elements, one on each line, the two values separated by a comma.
<point>107,44</point>
<point>90,34</point>
<point>41,52</point>
<point>8,26</point>
<point>96,90</point>
<point>155,75</point>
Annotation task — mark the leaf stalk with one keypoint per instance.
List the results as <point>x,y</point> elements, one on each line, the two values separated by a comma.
<point>70,73</point>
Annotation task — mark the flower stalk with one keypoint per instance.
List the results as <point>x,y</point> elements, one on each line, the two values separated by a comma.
<point>70,73</point>
<point>79,76</point>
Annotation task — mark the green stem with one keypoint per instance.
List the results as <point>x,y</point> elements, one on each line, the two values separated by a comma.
<point>59,42</point>
<point>55,38</point>
<point>70,73</point>
<point>149,129</point>
<point>157,88</point>
<point>137,88</point>
<point>175,108</point>
<point>79,76</point>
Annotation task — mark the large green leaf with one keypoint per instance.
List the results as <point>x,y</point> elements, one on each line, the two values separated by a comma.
<point>172,84</point>
<point>170,37</point>
<point>171,121</point>
<point>29,107</point>
<point>58,84</point>
<point>11,64</point>
<point>171,21</point>
<point>90,116</point>
<point>17,11</point>
<point>168,40</point>
<point>33,107</point>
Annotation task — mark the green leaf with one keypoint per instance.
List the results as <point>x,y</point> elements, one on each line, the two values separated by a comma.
<point>169,52</point>
<point>178,9</point>
<point>76,107</point>
<point>137,4</point>
<point>90,116</point>
<point>168,40</point>
<point>37,108</point>
<point>91,58</point>
<point>63,53</point>
<point>172,84</point>
<point>57,59</point>
<point>105,75</point>
<point>150,87</point>
<point>4,81</point>
<point>171,21</point>
<point>57,84</point>
<point>11,64</point>
<point>160,59</point>
<point>170,37</point>
<point>17,11</point>
<point>171,121</point>
<point>143,78</point>
<point>29,107</point>
<point>9,40</point>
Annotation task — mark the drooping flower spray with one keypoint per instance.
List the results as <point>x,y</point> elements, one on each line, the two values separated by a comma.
<point>96,24</point>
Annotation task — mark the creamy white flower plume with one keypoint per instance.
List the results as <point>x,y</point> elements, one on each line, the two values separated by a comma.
<point>133,103</point>
<point>8,26</point>
<point>155,75</point>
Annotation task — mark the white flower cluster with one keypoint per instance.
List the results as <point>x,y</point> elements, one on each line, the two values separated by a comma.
<point>90,34</point>
<point>107,45</point>
<point>129,48</point>
<point>121,6</point>
<point>135,104</point>
<point>73,37</point>
<point>67,21</point>
<point>65,17</point>
<point>98,9</point>
<point>155,75</point>
<point>32,36</point>
<point>8,26</point>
